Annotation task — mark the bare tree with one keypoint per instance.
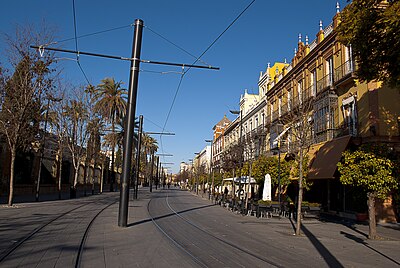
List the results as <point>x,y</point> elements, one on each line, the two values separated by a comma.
<point>77,129</point>
<point>57,122</point>
<point>299,128</point>
<point>23,89</point>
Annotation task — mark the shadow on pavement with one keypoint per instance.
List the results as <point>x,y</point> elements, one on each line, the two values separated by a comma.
<point>323,251</point>
<point>363,242</point>
<point>167,215</point>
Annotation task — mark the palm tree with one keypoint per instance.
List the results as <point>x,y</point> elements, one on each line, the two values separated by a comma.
<point>111,104</point>
<point>149,145</point>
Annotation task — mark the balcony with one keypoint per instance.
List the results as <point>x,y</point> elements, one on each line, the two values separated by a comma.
<point>309,93</point>
<point>285,108</point>
<point>275,115</point>
<point>268,120</point>
<point>324,83</point>
<point>344,72</point>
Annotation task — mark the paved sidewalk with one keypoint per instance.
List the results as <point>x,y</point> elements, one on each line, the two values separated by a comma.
<point>141,244</point>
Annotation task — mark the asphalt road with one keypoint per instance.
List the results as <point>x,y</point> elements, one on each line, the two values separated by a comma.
<point>175,228</point>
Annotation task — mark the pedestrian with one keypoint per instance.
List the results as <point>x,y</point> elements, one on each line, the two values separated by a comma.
<point>226,191</point>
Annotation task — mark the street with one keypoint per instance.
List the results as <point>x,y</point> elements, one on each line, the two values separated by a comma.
<point>170,228</point>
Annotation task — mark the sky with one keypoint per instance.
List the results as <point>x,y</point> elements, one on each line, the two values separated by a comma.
<point>266,33</point>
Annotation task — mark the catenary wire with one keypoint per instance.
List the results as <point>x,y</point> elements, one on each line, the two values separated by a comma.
<point>95,33</point>
<point>198,58</point>
<point>76,45</point>
<point>175,45</point>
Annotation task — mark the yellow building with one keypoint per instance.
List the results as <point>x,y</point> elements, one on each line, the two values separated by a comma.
<point>340,110</point>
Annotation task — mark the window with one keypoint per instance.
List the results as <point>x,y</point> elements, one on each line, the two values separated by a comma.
<point>349,111</point>
<point>348,59</point>
<point>325,117</point>
<point>280,106</point>
<point>313,79</point>
<point>329,70</point>
<point>299,89</point>
<point>289,100</point>
<point>272,110</point>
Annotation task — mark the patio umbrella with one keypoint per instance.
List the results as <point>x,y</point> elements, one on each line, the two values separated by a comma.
<point>267,188</point>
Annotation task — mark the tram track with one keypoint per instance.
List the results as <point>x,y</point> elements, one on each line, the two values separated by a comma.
<point>57,220</point>
<point>212,238</point>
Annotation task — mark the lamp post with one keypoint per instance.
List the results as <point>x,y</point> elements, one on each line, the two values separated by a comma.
<point>165,167</point>
<point>240,146</point>
<point>211,170</point>
<point>191,167</point>
<point>42,147</point>
<point>279,173</point>
<point>159,167</point>
<point>197,176</point>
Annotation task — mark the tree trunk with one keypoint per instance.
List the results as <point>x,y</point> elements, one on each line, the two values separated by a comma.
<point>93,176</point>
<point>371,215</point>
<point>85,177</point>
<point>12,167</point>
<point>76,175</point>
<point>247,189</point>
<point>300,197</point>
<point>112,179</point>
<point>112,157</point>
<point>60,173</point>
<point>102,177</point>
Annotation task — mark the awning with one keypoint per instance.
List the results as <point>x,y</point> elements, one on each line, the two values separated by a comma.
<point>243,180</point>
<point>327,157</point>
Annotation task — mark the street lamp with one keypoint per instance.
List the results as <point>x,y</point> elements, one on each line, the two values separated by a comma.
<point>197,177</point>
<point>241,149</point>
<point>211,170</point>
<point>191,168</point>
<point>42,147</point>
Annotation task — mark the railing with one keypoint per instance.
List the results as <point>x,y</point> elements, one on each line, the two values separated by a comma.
<point>289,68</point>
<point>309,93</point>
<point>284,108</point>
<point>260,129</point>
<point>275,115</point>
<point>296,101</point>
<point>343,70</point>
<point>324,83</point>
<point>268,119</point>
<point>328,30</point>
<point>272,84</point>
<point>313,44</point>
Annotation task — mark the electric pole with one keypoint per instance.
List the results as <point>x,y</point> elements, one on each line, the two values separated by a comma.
<point>130,123</point>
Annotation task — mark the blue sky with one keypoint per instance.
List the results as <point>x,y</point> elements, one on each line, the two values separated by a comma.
<point>267,32</point>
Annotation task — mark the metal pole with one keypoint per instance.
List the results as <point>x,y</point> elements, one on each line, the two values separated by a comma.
<point>138,155</point>
<point>151,172</point>
<point>157,177</point>
<point>42,151</point>
<point>241,144</point>
<point>279,174</point>
<point>212,179</point>
<point>130,124</point>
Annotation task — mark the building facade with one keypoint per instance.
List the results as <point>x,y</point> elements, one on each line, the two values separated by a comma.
<point>218,142</point>
<point>320,85</point>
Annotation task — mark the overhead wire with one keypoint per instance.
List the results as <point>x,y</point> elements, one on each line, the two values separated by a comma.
<point>76,45</point>
<point>202,54</point>
<point>175,45</point>
<point>198,59</point>
<point>95,33</point>
<point>155,124</point>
